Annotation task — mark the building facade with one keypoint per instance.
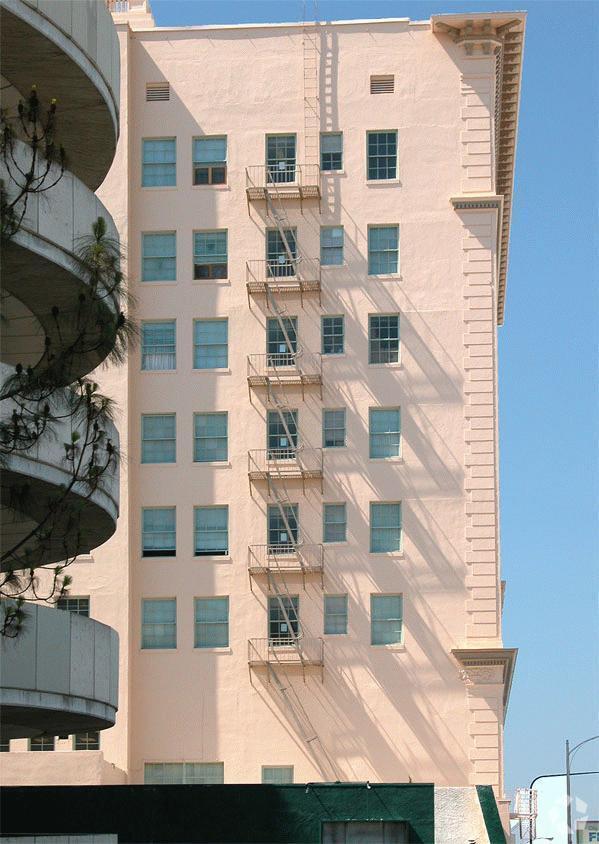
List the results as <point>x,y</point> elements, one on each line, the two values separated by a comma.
<point>316,220</point>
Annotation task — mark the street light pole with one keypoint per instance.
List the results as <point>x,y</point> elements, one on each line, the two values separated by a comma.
<point>569,757</point>
<point>553,776</point>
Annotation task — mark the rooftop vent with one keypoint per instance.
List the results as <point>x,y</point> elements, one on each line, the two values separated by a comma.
<point>382,84</point>
<point>156,91</point>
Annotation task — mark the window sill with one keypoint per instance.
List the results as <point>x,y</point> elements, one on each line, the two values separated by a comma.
<point>158,650</point>
<point>223,282</point>
<point>379,183</point>
<point>343,266</point>
<point>214,558</point>
<point>387,277</point>
<point>214,464</point>
<point>398,555</point>
<point>159,371</point>
<point>341,542</point>
<point>333,172</point>
<point>386,459</point>
<point>218,370</point>
<point>333,447</point>
<point>399,647</point>
<point>166,282</point>
<point>158,463</point>
<point>160,557</point>
<point>336,634</point>
<point>227,650</point>
<point>224,187</point>
<point>397,365</point>
<point>159,187</point>
<point>326,355</point>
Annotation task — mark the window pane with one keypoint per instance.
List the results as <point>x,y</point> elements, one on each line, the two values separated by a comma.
<point>335,614</point>
<point>210,254</point>
<point>283,619</point>
<point>159,623</point>
<point>209,150</point>
<point>159,167</point>
<point>383,339</point>
<point>277,775</point>
<point>386,619</point>
<point>333,335</point>
<point>334,523</point>
<point>42,743</point>
<point>158,437</point>
<point>280,158</point>
<point>210,437</point>
<point>382,155</point>
<point>158,345</point>
<point>331,151</point>
<point>281,253</point>
<point>384,432</point>
<point>283,528</point>
<point>211,531</point>
<point>282,434</point>
<point>159,532</point>
<point>75,605</point>
<point>383,250</point>
<point>159,257</point>
<point>184,773</point>
<point>281,341</point>
<point>212,623</point>
<point>87,741</point>
<point>331,245</point>
<point>210,344</point>
<point>333,428</point>
<point>385,527</point>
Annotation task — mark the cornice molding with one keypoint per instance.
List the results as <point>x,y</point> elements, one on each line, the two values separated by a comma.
<point>476,203</point>
<point>473,659</point>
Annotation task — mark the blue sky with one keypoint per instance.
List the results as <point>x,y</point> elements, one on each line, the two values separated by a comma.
<point>548,367</point>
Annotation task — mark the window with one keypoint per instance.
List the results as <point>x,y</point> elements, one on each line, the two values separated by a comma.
<point>281,341</point>
<point>280,158</point>
<point>211,531</point>
<point>333,428</point>
<point>86,741</point>
<point>210,437</point>
<point>159,256</point>
<point>283,528</point>
<point>283,619</point>
<point>211,344</point>
<point>385,527</point>
<point>333,335</point>
<point>158,438</point>
<point>331,246</point>
<point>382,84</point>
<point>159,536</point>
<point>331,151</point>
<point>277,774</point>
<point>159,162</point>
<point>334,523</point>
<point>383,424</point>
<point>385,619</point>
<point>210,254</point>
<point>281,254</point>
<point>5,746</point>
<point>282,436</point>
<point>383,338</point>
<point>159,623</point>
<point>211,623</point>
<point>210,161</point>
<point>158,345</point>
<point>42,743</point>
<point>184,773</point>
<point>383,250</point>
<point>335,614</point>
<point>382,155</point>
<point>77,606</point>
<point>157,91</point>
<point>365,832</point>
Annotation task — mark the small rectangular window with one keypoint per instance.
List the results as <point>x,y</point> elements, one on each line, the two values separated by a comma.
<point>385,527</point>
<point>159,532</point>
<point>87,741</point>
<point>211,623</point>
<point>210,161</point>
<point>42,743</point>
<point>157,92</point>
<point>281,253</point>
<point>280,158</point>
<point>331,246</point>
<point>382,155</point>
<point>283,619</point>
<point>281,341</point>
<point>283,528</point>
<point>211,344</point>
<point>333,335</point>
<point>159,256</point>
<point>184,773</point>
<point>158,438</point>
<point>335,614</point>
<point>158,345</point>
<point>277,774</point>
<point>383,250</point>
<point>210,255</point>
<point>384,431</point>
<point>386,620</point>
<point>384,84</point>
<point>282,435</point>
<point>210,437</point>
<point>76,605</point>
<point>331,151</point>
<point>334,523</point>
<point>383,338</point>
<point>159,162</point>
<point>159,623</point>
<point>211,531</point>
<point>5,746</point>
<point>333,428</point>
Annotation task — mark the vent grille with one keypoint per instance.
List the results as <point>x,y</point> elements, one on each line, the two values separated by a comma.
<point>382,84</point>
<point>156,91</point>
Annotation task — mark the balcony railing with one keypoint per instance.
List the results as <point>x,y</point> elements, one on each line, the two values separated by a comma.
<point>286,652</point>
<point>285,463</point>
<point>283,276</point>
<point>286,559</point>
<point>285,181</point>
<point>285,368</point>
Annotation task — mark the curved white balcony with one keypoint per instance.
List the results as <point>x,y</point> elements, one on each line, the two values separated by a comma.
<point>40,271</point>
<point>31,482</point>
<point>69,50</point>
<point>58,676</point>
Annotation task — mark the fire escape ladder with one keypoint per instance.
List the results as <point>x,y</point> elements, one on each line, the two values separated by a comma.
<point>311,93</point>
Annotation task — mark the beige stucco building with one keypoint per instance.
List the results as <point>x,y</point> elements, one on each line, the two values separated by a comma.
<point>306,574</point>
